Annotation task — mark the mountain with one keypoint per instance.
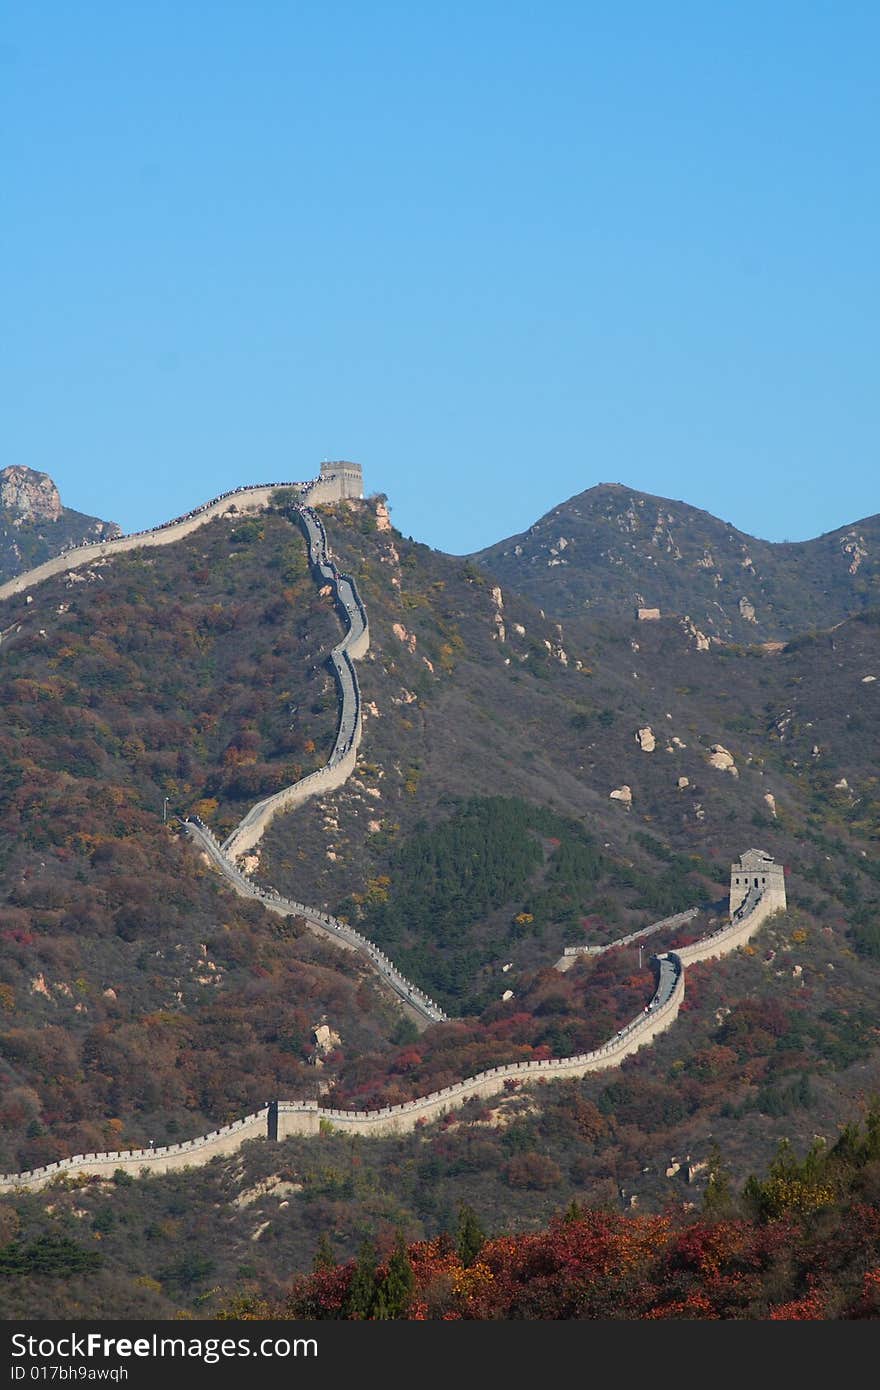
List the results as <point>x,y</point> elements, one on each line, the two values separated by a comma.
<point>141,1000</point>
<point>35,526</point>
<point>611,550</point>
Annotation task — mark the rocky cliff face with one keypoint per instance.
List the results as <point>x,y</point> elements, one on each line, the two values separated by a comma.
<point>34,525</point>
<point>28,495</point>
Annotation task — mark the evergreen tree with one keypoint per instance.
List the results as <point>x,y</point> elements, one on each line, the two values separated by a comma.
<point>471,1236</point>
<point>362,1289</point>
<point>395,1292</point>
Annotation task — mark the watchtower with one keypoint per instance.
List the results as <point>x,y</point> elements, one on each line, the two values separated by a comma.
<point>349,477</point>
<point>759,870</point>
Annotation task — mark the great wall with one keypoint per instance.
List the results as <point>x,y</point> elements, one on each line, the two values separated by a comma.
<point>757,885</point>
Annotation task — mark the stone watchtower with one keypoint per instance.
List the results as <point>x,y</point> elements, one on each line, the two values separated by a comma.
<point>757,869</point>
<point>348,476</point>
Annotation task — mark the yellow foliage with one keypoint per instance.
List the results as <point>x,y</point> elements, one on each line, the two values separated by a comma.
<point>470,1283</point>
<point>799,935</point>
<point>796,1195</point>
<point>145,1281</point>
<point>7,998</point>
<point>205,808</point>
<point>377,889</point>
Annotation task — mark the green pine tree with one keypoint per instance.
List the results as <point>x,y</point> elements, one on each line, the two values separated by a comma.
<point>362,1289</point>
<point>395,1292</point>
<point>471,1236</point>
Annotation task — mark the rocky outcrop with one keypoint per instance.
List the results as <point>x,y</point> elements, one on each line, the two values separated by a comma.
<point>701,641</point>
<point>723,759</point>
<point>645,739</point>
<point>28,495</point>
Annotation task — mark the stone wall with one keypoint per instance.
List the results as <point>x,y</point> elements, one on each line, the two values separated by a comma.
<point>343,756</point>
<point>570,953</point>
<point>191,1153</point>
<point>332,927</point>
<point>752,913</point>
<point>336,481</point>
<point>306,1117</point>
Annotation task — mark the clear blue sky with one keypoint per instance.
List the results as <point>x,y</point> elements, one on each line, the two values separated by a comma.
<point>495,252</point>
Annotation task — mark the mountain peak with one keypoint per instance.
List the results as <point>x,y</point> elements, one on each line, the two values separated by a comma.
<point>613,549</point>
<point>29,495</point>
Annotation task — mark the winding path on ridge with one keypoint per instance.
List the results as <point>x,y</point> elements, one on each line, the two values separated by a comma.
<point>306,1117</point>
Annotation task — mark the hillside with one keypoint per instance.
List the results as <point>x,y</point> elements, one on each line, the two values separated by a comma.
<point>35,526</point>
<point>124,701</point>
<point>611,550</point>
<point>477,836</point>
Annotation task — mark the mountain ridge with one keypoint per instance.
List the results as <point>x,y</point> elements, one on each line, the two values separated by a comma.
<point>614,549</point>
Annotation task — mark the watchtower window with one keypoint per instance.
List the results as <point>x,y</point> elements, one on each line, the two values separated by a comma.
<point>756,883</point>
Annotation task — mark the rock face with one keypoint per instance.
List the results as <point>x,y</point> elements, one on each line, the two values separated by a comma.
<point>623,794</point>
<point>324,1040</point>
<point>28,495</point>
